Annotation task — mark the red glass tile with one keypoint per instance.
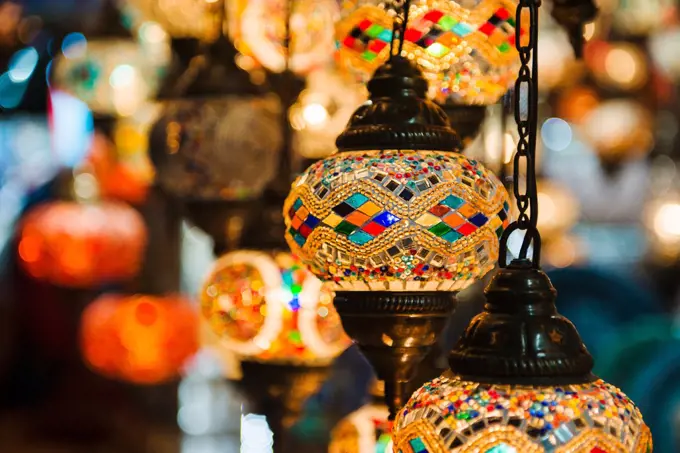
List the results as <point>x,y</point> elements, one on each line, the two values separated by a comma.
<point>440,210</point>
<point>487,28</point>
<point>365,24</point>
<point>377,46</point>
<point>598,450</point>
<point>305,231</point>
<point>433,16</point>
<point>502,13</point>
<point>374,229</point>
<point>467,229</point>
<point>413,35</point>
<point>349,42</point>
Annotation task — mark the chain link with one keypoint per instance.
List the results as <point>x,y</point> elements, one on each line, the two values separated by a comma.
<point>526,91</point>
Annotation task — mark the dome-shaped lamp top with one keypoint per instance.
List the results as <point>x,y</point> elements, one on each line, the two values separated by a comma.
<point>524,384</point>
<point>396,209</point>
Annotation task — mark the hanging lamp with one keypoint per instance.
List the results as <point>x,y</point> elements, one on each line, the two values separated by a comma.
<point>108,70</point>
<point>267,307</point>
<point>215,144</point>
<point>396,222</point>
<point>521,379</point>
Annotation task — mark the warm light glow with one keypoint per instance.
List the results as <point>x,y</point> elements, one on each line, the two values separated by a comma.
<point>269,308</point>
<point>625,66</point>
<point>315,115</point>
<point>589,31</point>
<point>82,245</point>
<point>667,221</point>
<point>140,339</point>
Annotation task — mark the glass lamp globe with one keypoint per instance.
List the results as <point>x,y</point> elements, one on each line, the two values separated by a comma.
<point>218,139</point>
<point>268,307</point>
<point>466,49</point>
<point>263,29</point>
<point>112,76</point>
<point>523,382</point>
<point>82,244</point>
<point>139,339</point>
<point>396,218</point>
<point>619,130</point>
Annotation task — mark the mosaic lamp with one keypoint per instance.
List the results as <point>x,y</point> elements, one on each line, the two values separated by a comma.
<point>396,223</point>
<point>466,50</point>
<point>216,142</point>
<point>82,243</point>
<point>139,339</point>
<point>109,70</point>
<point>366,430</point>
<point>520,377</point>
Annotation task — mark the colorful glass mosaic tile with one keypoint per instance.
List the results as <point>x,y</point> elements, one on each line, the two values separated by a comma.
<point>397,220</point>
<point>466,50</point>
<point>452,415</point>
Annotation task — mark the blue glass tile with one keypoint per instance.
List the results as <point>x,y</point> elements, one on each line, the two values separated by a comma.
<point>385,35</point>
<point>360,237</point>
<point>356,200</point>
<point>461,29</point>
<point>452,236</point>
<point>386,219</point>
<point>453,202</point>
<point>297,204</point>
<point>299,240</point>
<point>478,219</point>
<point>311,221</point>
<point>418,445</point>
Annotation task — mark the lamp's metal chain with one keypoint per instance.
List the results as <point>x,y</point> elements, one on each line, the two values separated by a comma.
<point>402,8</point>
<point>526,111</point>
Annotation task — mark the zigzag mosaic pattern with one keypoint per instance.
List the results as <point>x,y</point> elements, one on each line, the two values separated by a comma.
<point>397,219</point>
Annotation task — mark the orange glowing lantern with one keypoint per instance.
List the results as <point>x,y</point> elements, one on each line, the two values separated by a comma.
<point>82,244</point>
<point>139,339</point>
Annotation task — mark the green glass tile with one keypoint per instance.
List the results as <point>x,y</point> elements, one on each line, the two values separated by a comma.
<point>374,30</point>
<point>440,229</point>
<point>345,228</point>
<point>447,22</point>
<point>511,21</point>
<point>369,56</point>
<point>505,47</point>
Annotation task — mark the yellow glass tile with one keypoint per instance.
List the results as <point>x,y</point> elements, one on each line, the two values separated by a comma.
<point>370,209</point>
<point>427,220</point>
<point>495,223</point>
<point>454,220</point>
<point>467,211</point>
<point>332,220</point>
<point>302,212</point>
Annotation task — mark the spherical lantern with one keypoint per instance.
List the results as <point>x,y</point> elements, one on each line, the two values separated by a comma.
<point>619,130</point>
<point>112,76</point>
<point>220,140</point>
<point>268,307</point>
<point>588,418</point>
<point>396,219</point>
<point>366,430</point>
<point>322,111</point>
<point>466,49</point>
<point>263,29</point>
<point>82,245</point>
<point>139,339</point>
<point>525,384</point>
